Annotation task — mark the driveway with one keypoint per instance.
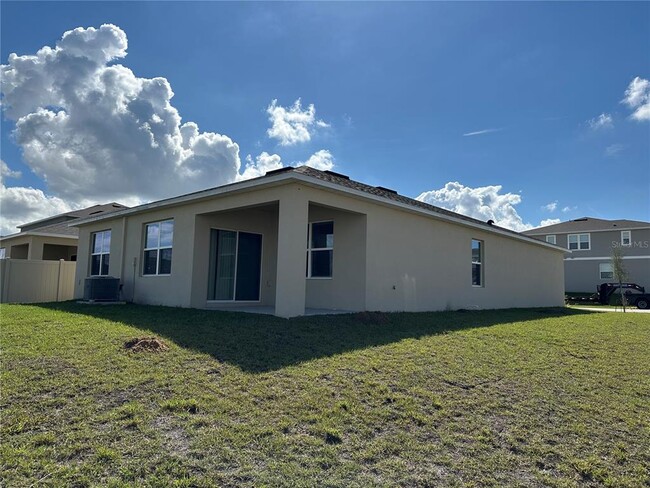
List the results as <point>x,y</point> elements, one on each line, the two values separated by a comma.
<point>604,309</point>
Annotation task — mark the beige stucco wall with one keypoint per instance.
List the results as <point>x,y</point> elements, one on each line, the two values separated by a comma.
<point>187,284</point>
<point>259,220</point>
<point>416,263</point>
<point>384,258</point>
<point>346,290</point>
<point>35,249</point>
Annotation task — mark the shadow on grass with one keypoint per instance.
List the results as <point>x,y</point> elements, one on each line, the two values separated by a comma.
<point>260,343</point>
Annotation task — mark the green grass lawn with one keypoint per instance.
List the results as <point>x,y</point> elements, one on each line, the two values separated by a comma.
<point>496,398</point>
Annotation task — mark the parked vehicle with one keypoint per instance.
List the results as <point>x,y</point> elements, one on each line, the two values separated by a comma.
<point>635,295</point>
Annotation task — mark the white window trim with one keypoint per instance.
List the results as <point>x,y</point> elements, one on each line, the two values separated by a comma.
<point>159,222</point>
<point>100,254</point>
<point>554,241</point>
<point>600,271</point>
<point>310,249</point>
<point>236,258</point>
<point>629,238</point>
<point>568,241</point>
<point>479,262</point>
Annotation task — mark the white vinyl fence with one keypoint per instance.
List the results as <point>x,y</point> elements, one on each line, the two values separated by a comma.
<point>35,281</point>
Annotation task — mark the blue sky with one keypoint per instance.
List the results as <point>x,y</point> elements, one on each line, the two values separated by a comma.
<point>400,87</point>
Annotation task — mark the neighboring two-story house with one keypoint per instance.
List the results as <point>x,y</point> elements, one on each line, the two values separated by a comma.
<point>591,242</point>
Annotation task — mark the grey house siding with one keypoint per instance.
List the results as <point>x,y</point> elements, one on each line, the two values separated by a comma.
<point>602,243</point>
<point>584,276</point>
<point>582,267</point>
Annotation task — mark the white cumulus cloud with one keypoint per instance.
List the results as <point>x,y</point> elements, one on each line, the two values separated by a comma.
<point>546,222</point>
<point>7,172</point>
<point>292,125</point>
<point>603,121</point>
<point>322,160</point>
<point>637,97</point>
<point>95,131</point>
<point>19,205</point>
<point>260,165</point>
<point>482,203</point>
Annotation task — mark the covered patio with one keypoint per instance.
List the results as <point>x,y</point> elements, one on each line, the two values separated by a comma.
<point>285,259</point>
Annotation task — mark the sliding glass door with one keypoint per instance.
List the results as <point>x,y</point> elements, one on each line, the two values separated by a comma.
<point>235,266</point>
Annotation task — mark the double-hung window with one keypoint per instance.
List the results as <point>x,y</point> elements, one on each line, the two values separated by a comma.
<point>551,239</point>
<point>158,248</point>
<point>626,238</point>
<point>579,242</point>
<point>477,263</point>
<point>320,249</point>
<point>606,271</point>
<point>100,253</point>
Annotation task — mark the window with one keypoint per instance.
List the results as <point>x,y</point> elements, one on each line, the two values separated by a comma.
<point>3,253</point>
<point>579,242</point>
<point>235,266</point>
<point>158,248</point>
<point>551,239</point>
<point>100,253</point>
<point>320,249</point>
<point>606,271</point>
<point>626,238</point>
<point>477,263</point>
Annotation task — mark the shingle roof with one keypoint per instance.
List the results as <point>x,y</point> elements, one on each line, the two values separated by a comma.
<point>380,191</point>
<point>75,214</point>
<point>587,224</point>
<point>330,177</point>
<point>61,228</point>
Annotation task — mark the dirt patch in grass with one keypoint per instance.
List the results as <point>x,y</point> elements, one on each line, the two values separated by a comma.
<point>145,344</point>
<point>176,440</point>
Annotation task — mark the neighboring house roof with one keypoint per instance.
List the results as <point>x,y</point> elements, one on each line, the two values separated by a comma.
<point>58,225</point>
<point>60,228</point>
<point>588,224</point>
<point>330,180</point>
<point>75,214</point>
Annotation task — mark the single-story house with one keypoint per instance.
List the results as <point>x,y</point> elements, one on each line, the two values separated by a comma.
<point>590,242</point>
<point>51,239</point>
<point>299,239</point>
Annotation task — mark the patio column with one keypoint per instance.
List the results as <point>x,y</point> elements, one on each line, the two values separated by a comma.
<point>35,250</point>
<point>292,253</point>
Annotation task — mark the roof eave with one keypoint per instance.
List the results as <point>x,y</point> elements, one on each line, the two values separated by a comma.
<point>313,181</point>
<point>38,234</point>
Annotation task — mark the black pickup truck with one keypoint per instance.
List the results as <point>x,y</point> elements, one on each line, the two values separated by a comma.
<point>635,295</point>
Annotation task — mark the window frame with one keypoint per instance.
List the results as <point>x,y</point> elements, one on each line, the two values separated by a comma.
<point>312,249</point>
<point>629,238</point>
<point>480,262</point>
<point>100,253</point>
<point>554,241</point>
<point>158,249</point>
<point>600,271</point>
<point>588,248</point>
